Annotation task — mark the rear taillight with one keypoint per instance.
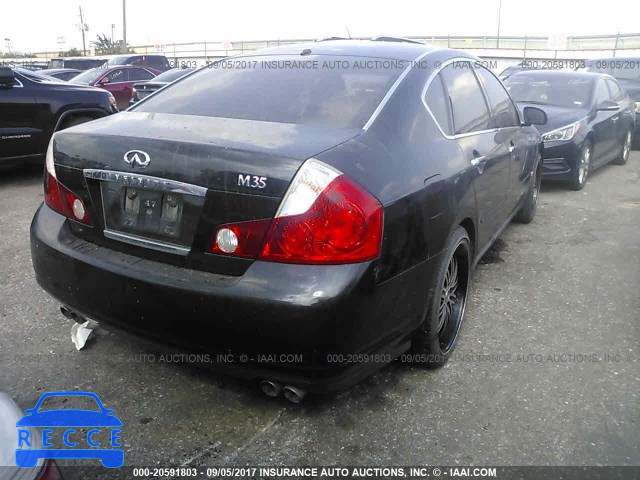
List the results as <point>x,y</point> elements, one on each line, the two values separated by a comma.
<point>60,198</point>
<point>324,218</point>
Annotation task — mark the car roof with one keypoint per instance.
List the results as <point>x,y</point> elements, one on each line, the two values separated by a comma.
<point>560,73</point>
<point>77,58</point>
<point>395,50</point>
<point>608,59</point>
<point>130,55</point>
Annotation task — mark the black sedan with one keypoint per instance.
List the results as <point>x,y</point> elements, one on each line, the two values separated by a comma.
<point>627,71</point>
<point>144,89</point>
<point>590,120</point>
<point>65,74</point>
<point>302,215</point>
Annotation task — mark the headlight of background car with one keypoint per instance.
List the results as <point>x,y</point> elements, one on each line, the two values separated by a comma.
<point>564,133</point>
<point>637,107</point>
<point>113,102</point>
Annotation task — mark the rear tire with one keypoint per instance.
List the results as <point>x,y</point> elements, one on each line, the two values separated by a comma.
<point>73,121</point>
<point>530,205</point>
<point>436,338</point>
<point>626,149</point>
<point>581,170</point>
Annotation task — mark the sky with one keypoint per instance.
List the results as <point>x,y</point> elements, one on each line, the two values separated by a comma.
<point>36,25</point>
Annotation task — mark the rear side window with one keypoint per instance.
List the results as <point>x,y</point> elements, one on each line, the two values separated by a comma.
<point>616,92</point>
<point>437,102</point>
<point>340,92</point>
<point>470,112</point>
<point>503,111</point>
<point>160,63</point>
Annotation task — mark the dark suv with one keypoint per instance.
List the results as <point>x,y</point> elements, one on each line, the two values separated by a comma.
<point>155,63</point>
<point>33,107</point>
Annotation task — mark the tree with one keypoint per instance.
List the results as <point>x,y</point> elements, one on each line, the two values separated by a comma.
<point>104,46</point>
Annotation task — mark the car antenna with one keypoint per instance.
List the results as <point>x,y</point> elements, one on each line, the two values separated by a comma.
<point>348,32</point>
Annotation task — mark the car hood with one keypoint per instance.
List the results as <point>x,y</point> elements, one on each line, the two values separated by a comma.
<point>69,418</point>
<point>556,116</point>
<point>61,85</point>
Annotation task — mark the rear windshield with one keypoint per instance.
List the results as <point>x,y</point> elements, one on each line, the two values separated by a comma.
<point>171,75</point>
<point>563,91</point>
<point>339,92</point>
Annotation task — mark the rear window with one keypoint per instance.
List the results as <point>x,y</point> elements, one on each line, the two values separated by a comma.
<point>339,92</point>
<point>173,74</point>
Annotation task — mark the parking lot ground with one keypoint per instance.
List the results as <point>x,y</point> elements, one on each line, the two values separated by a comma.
<point>547,369</point>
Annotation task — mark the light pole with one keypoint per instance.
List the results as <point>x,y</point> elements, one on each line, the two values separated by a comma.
<point>8,40</point>
<point>82,28</point>
<point>113,25</point>
<point>499,15</point>
<point>123,47</point>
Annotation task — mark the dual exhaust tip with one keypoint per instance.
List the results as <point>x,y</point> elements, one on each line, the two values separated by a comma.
<point>273,389</point>
<point>270,389</point>
<point>71,315</point>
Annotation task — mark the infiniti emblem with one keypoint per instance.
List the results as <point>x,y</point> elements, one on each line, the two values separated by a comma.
<point>133,157</point>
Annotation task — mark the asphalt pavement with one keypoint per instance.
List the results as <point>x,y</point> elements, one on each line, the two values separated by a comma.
<point>546,371</point>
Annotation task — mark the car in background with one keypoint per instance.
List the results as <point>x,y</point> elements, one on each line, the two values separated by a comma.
<point>79,63</point>
<point>590,120</point>
<point>144,89</point>
<point>154,63</point>
<point>34,106</point>
<point>41,469</point>
<point>65,74</point>
<point>117,80</point>
<point>525,65</point>
<point>329,213</point>
<point>627,71</point>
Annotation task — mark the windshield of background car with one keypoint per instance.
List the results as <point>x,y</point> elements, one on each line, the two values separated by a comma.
<point>340,92</point>
<point>89,76</point>
<point>117,61</point>
<point>563,91</point>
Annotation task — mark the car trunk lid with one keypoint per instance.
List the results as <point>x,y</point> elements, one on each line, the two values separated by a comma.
<point>159,185</point>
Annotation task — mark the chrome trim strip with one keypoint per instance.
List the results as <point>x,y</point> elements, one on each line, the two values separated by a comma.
<point>428,83</point>
<point>145,181</point>
<point>392,90</point>
<point>147,243</point>
<point>20,85</point>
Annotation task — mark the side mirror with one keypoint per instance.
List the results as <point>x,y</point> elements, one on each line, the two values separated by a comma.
<point>7,76</point>
<point>534,116</point>
<point>103,81</point>
<point>608,106</point>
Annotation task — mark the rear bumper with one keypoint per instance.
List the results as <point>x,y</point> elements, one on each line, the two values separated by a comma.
<point>300,324</point>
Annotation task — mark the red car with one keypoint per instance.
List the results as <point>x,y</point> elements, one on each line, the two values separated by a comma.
<point>117,80</point>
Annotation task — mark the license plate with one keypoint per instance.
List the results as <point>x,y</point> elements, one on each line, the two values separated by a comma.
<point>142,211</point>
